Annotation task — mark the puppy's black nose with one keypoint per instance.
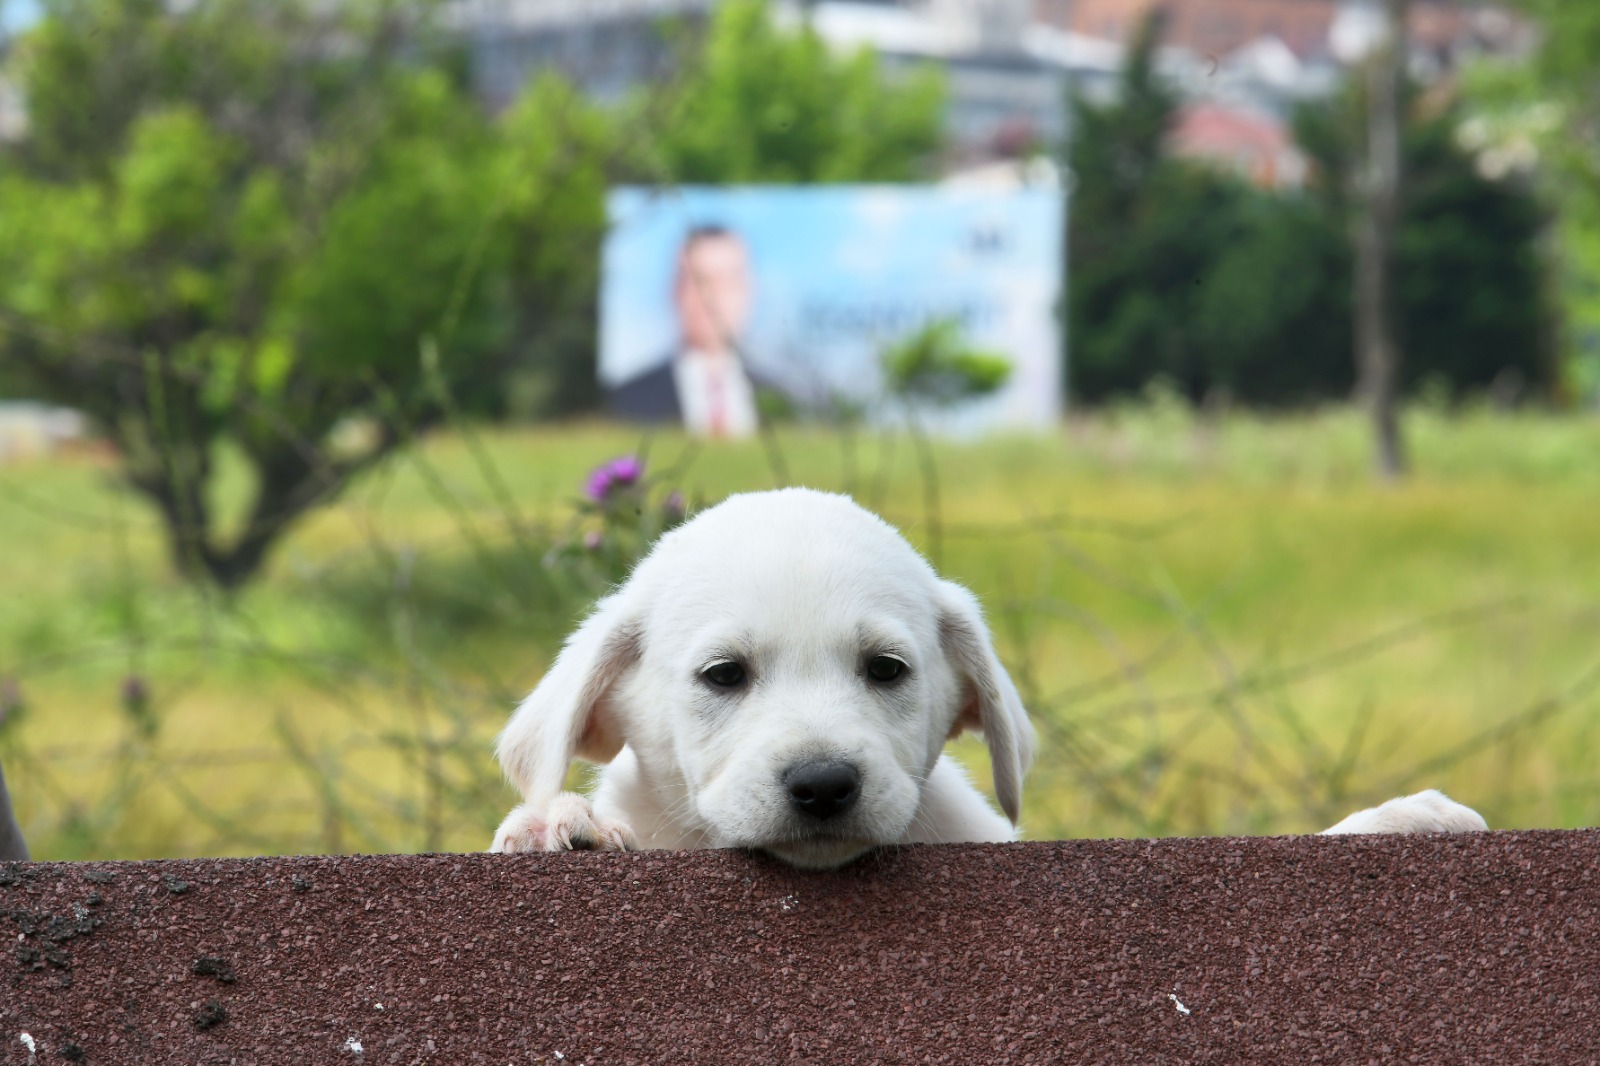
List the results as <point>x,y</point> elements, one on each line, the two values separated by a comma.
<point>823,789</point>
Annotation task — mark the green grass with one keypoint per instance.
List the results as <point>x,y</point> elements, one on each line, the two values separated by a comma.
<point>1220,627</point>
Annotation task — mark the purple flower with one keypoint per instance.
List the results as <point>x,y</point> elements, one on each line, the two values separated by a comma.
<point>673,506</point>
<point>609,477</point>
<point>592,540</point>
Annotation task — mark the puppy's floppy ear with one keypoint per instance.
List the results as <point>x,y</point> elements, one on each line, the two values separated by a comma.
<point>990,703</point>
<point>570,713</point>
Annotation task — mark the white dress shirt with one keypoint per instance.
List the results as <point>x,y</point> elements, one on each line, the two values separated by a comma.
<point>715,395</point>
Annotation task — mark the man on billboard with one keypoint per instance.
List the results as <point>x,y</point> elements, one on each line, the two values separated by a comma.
<point>703,381</point>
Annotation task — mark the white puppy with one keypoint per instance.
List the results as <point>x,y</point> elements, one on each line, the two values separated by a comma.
<point>782,673</point>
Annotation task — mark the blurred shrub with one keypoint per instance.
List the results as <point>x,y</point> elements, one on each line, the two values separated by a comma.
<point>936,365</point>
<point>761,103</point>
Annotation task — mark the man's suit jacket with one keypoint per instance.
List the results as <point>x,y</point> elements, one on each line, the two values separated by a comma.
<point>648,397</point>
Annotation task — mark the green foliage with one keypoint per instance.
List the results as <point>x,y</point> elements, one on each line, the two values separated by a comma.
<point>1273,310</point>
<point>1117,150</point>
<point>1539,119</point>
<point>936,365</point>
<point>220,229</point>
<point>1187,274</point>
<point>761,104</point>
<point>1180,273</point>
<point>1469,272</point>
<point>1139,572</point>
<point>559,154</point>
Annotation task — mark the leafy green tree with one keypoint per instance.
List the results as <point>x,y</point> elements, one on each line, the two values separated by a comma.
<point>559,153</point>
<point>245,225</point>
<point>762,103</point>
<point>1538,120</point>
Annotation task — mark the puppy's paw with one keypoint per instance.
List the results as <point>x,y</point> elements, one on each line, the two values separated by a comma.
<point>1426,812</point>
<point>567,824</point>
<point>571,825</point>
<point>522,831</point>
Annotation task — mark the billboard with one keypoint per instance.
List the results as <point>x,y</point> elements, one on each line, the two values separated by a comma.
<point>716,299</point>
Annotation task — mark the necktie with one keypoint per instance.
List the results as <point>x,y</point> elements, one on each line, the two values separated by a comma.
<point>717,394</point>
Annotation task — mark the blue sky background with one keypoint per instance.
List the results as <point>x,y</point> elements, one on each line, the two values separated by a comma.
<point>921,251</point>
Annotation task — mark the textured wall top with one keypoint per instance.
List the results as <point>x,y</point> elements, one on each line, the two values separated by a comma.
<point>1481,948</point>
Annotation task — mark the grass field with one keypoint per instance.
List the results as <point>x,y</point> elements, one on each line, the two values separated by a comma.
<point>1220,627</point>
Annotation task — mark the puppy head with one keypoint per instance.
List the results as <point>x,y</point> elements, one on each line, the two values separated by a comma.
<point>788,664</point>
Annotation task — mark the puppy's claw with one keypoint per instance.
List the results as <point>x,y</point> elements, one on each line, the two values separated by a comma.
<point>567,824</point>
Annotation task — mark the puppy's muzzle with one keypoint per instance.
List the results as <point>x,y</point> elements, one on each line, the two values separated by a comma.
<point>823,789</point>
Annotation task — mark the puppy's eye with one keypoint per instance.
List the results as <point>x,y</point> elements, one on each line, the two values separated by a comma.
<point>724,675</point>
<point>885,668</point>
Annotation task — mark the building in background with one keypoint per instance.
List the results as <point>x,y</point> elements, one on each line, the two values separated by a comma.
<point>1006,76</point>
<point>1211,28</point>
<point>604,47</point>
<point>1449,30</point>
<point>1256,146</point>
<point>1009,64</point>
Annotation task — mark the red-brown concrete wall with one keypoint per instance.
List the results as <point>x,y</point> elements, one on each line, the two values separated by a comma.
<point>1480,948</point>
